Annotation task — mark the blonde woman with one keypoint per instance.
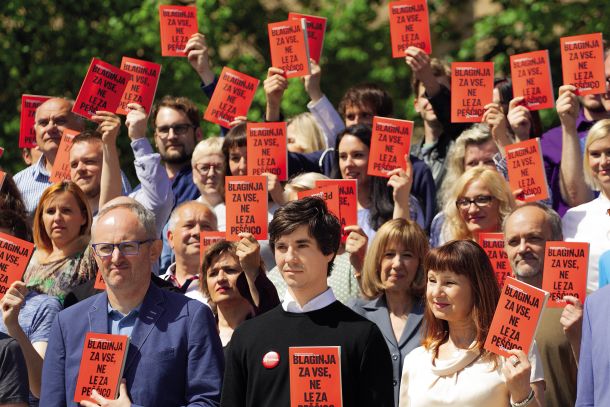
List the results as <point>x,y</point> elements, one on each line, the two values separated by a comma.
<point>479,201</point>
<point>590,222</point>
<point>393,282</point>
<point>304,134</point>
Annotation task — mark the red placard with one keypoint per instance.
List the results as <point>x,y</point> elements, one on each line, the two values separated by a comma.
<point>246,201</point>
<point>582,62</point>
<point>101,366</point>
<point>315,376</point>
<point>27,134</point>
<point>142,85</point>
<point>266,149</point>
<point>516,318</point>
<point>409,26</point>
<point>208,238</point>
<point>330,195</point>
<point>531,75</point>
<point>316,29</point>
<point>493,244</point>
<point>348,201</point>
<point>472,85</point>
<point>289,49</point>
<point>61,166</point>
<point>1,151</point>
<point>100,284</point>
<point>390,142</point>
<point>566,265</point>
<point>526,170</point>
<point>178,24</point>
<point>232,97</point>
<point>15,255</point>
<point>102,89</point>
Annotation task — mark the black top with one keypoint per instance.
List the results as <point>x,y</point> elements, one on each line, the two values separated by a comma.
<point>366,369</point>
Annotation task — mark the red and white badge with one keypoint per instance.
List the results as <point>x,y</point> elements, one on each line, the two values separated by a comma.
<point>271,359</point>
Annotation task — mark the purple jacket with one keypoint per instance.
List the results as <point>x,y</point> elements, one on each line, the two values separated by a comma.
<point>551,143</point>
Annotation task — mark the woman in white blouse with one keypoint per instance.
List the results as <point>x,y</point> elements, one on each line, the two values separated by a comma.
<point>452,368</point>
<point>590,221</point>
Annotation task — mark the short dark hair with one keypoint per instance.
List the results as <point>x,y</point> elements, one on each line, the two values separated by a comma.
<point>10,197</point>
<point>236,137</point>
<point>88,136</point>
<point>323,226</point>
<point>368,95</point>
<point>16,224</point>
<point>181,103</point>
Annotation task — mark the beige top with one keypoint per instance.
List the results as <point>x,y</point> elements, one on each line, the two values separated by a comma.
<point>467,380</point>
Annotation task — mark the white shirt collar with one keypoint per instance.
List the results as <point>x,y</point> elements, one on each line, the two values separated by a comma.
<point>321,301</point>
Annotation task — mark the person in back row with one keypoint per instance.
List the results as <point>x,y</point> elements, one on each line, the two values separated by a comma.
<point>358,106</point>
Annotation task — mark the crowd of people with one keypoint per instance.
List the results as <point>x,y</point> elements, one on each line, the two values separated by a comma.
<point>408,296</point>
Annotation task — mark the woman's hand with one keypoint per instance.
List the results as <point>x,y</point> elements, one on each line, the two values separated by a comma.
<point>517,370</point>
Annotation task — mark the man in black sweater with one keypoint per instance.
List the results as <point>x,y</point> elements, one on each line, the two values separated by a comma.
<point>305,237</point>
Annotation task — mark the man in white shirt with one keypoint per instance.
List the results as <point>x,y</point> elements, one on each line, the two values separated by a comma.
<point>185,223</point>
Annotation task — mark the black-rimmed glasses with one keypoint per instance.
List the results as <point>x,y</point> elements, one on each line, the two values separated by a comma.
<point>479,201</point>
<point>179,129</point>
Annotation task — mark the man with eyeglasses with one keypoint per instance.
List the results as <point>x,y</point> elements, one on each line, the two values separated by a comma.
<point>174,356</point>
<point>176,132</point>
<point>526,231</point>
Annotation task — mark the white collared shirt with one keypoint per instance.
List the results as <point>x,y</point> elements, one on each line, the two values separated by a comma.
<point>192,290</point>
<point>321,301</point>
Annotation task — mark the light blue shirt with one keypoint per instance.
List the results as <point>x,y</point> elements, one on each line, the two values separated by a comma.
<point>119,324</point>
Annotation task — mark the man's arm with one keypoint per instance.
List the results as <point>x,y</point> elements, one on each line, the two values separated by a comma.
<point>275,85</point>
<point>584,385</point>
<point>234,387</point>
<point>320,107</point>
<point>205,360</point>
<point>53,391</point>
<point>109,126</point>
<point>156,188</point>
<point>375,376</point>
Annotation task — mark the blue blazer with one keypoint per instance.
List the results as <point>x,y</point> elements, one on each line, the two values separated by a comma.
<point>377,311</point>
<point>594,363</point>
<point>174,358</point>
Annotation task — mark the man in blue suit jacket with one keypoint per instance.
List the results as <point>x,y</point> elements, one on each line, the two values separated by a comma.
<point>174,357</point>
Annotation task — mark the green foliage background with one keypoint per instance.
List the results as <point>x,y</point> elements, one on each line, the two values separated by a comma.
<point>46,46</point>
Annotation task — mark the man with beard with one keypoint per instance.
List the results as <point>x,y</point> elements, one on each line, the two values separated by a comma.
<point>51,119</point>
<point>526,231</point>
<point>594,108</point>
<point>176,122</point>
<point>94,165</point>
<point>176,132</point>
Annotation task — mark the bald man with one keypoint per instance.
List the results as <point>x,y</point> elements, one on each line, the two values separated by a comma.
<point>185,223</point>
<point>51,119</point>
<point>175,356</point>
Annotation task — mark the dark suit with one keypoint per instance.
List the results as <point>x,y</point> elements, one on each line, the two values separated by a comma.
<point>377,312</point>
<point>174,357</point>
